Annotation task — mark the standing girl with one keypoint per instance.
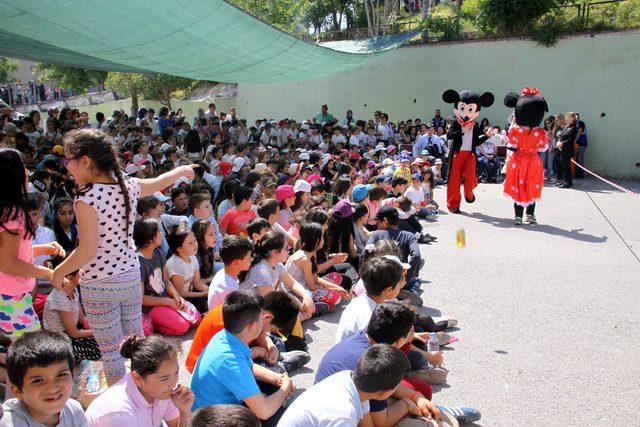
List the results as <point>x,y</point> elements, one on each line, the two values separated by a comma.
<point>17,269</point>
<point>106,253</point>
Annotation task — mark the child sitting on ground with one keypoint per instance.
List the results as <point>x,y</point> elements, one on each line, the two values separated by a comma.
<point>345,395</point>
<point>40,367</point>
<point>235,220</point>
<point>184,269</point>
<point>225,373</point>
<point>269,209</point>
<point>64,314</point>
<point>257,228</point>
<point>168,311</point>
<point>279,315</point>
<point>236,253</point>
<point>149,394</point>
<point>302,266</point>
<point>207,241</point>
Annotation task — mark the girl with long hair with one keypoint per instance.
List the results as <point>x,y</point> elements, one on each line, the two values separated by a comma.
<point>17,269</point>
<point>64,226</point>
<point>105,212</point>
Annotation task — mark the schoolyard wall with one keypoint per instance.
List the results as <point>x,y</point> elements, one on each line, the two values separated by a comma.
<point>595,75</point>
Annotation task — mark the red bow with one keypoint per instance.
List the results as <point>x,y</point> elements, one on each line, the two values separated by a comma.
<point>465,123</point>
<point>530,91</point>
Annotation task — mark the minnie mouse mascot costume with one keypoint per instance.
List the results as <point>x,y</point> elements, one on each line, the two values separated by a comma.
<point>525,177</point>
<point>466,136</point>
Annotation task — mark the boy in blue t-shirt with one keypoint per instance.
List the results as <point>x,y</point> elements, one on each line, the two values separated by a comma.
<point>225,373</point>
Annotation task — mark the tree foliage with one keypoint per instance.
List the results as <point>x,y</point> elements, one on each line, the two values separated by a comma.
<point>156,87</point>
<point>77,79</point>
<point>509,17</point>
<point>8,68</point>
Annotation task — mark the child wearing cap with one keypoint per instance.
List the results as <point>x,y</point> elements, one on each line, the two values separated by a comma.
<point>404,171</point>
<point>360,193</point>
<point>286,197</point>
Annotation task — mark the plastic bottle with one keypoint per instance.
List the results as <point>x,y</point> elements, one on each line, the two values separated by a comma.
<point>434,344</point>
<point>93,378</point>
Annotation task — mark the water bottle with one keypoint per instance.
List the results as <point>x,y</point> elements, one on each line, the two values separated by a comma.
<point>434,344</point>
<point>93,378</point>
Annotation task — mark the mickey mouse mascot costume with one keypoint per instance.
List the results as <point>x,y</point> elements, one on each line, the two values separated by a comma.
<point>525,177</point>
<point>466,136</point>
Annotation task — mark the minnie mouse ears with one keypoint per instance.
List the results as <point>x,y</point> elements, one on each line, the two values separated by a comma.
<point>453,97</point>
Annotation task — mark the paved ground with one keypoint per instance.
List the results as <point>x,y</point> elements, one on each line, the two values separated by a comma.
<point>549,315</point>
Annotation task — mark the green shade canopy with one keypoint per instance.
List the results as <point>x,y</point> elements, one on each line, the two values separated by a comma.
<point>198,39</point>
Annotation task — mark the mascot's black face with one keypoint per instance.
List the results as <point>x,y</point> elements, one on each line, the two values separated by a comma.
<point>467,104</point>
<point>529,107</point>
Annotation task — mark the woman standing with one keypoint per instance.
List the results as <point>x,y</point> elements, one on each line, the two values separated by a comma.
<point>565,144</point>
<point>547,156</point>
<point>557,158</point>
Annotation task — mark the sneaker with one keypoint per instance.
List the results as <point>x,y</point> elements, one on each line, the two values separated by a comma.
<point>531,219</point>
<point>321,308</point>
<point>433,376</point>
<point>451,323</point>
<point>463,414</point>
<point>293,360</point>
<point>443,338</point>
<point>518,221</point>
<point>410,297</point>
<point>430,236</point>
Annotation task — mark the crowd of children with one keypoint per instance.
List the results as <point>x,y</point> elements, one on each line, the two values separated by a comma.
<point>115,234</point>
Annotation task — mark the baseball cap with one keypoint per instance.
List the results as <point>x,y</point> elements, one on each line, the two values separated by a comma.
<point>404,159</point>
<point>304,156</point>
<point>302,185</point>
<point>418,161</point>
<point>424,153</point>
<point>161,197</point>
<point>132,169</point>
<point>343,209</point>
<point>391,148</point>
<point>417,176</point>
<point>293,168</point>
<point>284,192</point>
<point>164,147</point>
<point>314,177</point>
<point>360,191</point>
<point>404,265</point>
<point>371,164</point>
<point>438,161</point>
<point>224,168</point>
<point>238,163</point>
<point>388,212</point>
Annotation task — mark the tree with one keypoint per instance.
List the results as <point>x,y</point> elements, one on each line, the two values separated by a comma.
<point>77,79</point>
<point>160,87</point>
<point>286,15</point>
<point>8,68</point>
<point>379,16</point>
<point>510,17</point>
<point>126,84</point>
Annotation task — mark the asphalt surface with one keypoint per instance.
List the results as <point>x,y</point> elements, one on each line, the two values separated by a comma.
<point>549,314</point>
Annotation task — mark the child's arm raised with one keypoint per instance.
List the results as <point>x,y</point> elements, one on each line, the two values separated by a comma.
<point>151,185</point>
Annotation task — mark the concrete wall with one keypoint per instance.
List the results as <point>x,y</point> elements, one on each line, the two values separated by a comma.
<point>593,75</point>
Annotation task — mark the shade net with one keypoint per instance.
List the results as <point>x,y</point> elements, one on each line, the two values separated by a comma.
<point>198,39</point>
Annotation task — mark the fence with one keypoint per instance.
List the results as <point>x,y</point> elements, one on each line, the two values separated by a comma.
<point>33,92</point>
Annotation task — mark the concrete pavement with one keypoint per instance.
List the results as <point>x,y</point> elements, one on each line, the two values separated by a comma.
<point>549,314</point>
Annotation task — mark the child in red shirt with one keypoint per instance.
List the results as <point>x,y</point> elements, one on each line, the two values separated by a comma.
<point>235,220</point>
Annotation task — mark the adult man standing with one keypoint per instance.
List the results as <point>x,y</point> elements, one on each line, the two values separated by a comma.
<point>438,121</point>
<point>324,117</point>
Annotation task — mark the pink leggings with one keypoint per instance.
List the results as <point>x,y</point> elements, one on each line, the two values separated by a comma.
<point>167,321</point>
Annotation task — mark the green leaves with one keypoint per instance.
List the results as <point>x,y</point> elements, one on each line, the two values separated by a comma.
<point>8,68</point>
<point>77,79</point>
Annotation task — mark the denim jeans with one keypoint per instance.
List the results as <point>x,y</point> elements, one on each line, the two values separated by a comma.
<point>489,168</point>
<point>547,158</point>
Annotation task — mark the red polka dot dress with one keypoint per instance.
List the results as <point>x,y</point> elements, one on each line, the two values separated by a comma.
<point>525,176</point>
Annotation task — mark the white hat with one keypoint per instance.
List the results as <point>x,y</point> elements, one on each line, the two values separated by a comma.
<point>304,126</point>
<point>380,147</point>
<point>132,169</point>
<point>397,260</point>
<point>302,185</point>
<point>304,156</point>
<point>164,147</point>
<point>158,195</point>
<point>238,163</point>
<point>438,162</point>
<point>387,161</point>
<point>259,167</point>
<point>293,168</point>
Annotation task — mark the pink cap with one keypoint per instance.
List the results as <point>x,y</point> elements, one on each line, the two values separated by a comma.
<point>314,177</point>
<point>284,192</point>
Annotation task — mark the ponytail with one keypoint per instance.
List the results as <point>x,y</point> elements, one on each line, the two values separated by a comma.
<point>125,194</point>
